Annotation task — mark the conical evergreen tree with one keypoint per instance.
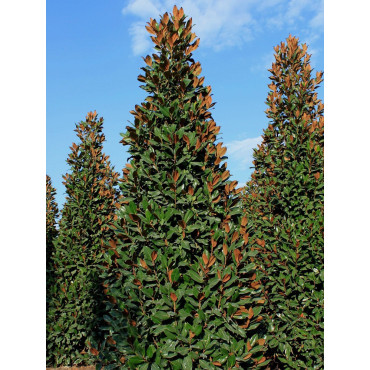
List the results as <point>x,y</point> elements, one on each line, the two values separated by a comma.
<point>77,303</point>
<point>181,293</point>
<point>284,202</point>
<point>52,214</point>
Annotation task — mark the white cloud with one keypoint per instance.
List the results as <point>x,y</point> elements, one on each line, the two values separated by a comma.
<point>302,18</point>
<point>266,4</point>
<point>220,24</point>
<point>142,8</point>
<point>308,15</point>
<point>140,40</point>
<point>240,152</point>
<point>317,22</point>
<point>296,8</point>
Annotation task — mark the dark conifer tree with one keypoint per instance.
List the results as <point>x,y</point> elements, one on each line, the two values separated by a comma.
<point>77,305</point>
<point>284,202</point>
<point>181,293</point>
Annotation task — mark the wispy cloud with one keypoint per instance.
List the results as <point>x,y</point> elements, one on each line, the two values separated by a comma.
<point>218,23</point>
<point>317,22</point>
<point>302,18</point>
<point>240,152</point>
<point>143,8</point>
<point>307,14</point>
<point>140,41</point>
<point>221,23</point>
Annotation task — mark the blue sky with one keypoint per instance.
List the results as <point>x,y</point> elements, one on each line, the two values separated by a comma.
<point>94,50</point>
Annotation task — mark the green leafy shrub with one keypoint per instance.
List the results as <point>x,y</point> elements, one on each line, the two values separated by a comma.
<point>77,303</point>
<point>284,202</point>
<point>182,294</point>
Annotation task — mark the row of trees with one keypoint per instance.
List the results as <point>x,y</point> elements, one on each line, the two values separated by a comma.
<point>181,269</point>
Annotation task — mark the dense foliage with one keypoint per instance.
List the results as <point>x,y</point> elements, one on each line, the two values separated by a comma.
<point>284,202</point>
<point>182,291</point>
<point>182,269</point>
<point>52,214</point>
<point>77,306</point>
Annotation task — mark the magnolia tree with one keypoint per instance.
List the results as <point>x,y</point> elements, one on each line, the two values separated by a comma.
<point>284,202</point>
<point>182,290</point>
<point>77,303</point>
